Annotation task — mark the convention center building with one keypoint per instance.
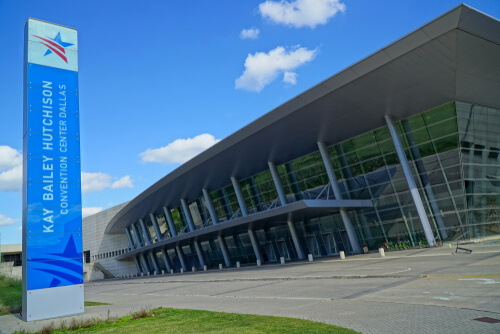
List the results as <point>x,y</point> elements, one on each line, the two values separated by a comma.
<point>401,148</point>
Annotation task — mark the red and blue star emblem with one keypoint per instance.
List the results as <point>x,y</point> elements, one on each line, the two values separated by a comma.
<point>55,45</point>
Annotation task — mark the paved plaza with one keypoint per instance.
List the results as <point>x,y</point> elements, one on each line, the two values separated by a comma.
<point>416,291</point>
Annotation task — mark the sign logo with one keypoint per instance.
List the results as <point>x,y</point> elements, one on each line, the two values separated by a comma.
<point>55,45</point>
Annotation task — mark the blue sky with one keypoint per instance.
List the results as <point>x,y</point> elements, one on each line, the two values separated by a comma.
<point>160,81</point>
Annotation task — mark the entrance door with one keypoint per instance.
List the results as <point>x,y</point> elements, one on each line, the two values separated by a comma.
<point>312,246</point>
<point>283,249</point>
<point>271,255</point>
<point>330,244</point>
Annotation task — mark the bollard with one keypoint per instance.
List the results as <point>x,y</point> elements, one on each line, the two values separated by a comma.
<point>259,263</point>
<point>171,271</point>
<point>142,274</point>
<point>154,273</point>
<point>342,255</point>
<point>310,257</point>
<point>205,268</point>
<point>381,251</point>
<point>182,270</point>
<point>193,269</point>
<point>163,272</point>
<point>282,259</point>
<point>237,264</point>
<point>149,273</point>
<point>220,265</point>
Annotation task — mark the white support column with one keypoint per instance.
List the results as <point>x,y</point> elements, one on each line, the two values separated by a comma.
<point>187,214</point>
<point>277,182</point>
<point>144,263</point>
<point>225,252</point>
<point>199,251</point>
<point>239,196</point>
<point>129,237</point>
<point>255,245</point>
<point>170,221</point>
<point>180,255</point>
<point>154,260</point>
<point>164,254</point>
<point>210,206</point>
<point>351,233</point>
<point>295,238</point>
<point>137,235</point>
<point>411,182</point>
<point>155,226</point>
<point>137,264</point>
<point>146,232</point>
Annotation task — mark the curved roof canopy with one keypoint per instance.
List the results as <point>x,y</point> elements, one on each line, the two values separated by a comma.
<point>454,57</point>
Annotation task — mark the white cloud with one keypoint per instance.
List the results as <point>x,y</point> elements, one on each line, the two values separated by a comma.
<point>252,33</point>
<point>6,221</point>
<point>262,68</point>
<point>124,182</point>
<point>12,179</point>
<point>180,150</point>
<point>11,169</point>
<point>9,157</point>
<point>300,13</point>
<point>92,182</point>
<point>20,228</point>
<point>290,77</point>
<point>90,211</point>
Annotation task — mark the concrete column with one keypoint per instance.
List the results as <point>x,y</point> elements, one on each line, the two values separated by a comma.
<point>144,264</point>
<point>137,264</point>
<point>129,237</point>
<point>411,182</point>
<point>239,196</point>
<point>155,226</point>
<point>199,251</point>
<point>137,235</point>
<point>210,206</point>
<point>425,179</point>
<point>255,245</point>
<point>170,222</point>
<point>146,232</point>
<point>225,252</point>
<point>154,260</point>
<point>277,182</point>
<point>180,255</point>
<point>353,238</point>
<point>295,238</point>
<point>187,214</point>
<point>164,254</point>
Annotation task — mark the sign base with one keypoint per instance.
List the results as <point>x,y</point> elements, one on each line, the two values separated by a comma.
<point>53,302</point>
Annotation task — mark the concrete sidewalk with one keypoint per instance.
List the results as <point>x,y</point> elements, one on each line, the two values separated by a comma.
<point>416,291</point>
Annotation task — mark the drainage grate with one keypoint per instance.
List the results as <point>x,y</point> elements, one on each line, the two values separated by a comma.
<point>488,320</point>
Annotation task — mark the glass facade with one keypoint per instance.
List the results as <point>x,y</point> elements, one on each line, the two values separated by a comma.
<point>453,151</point>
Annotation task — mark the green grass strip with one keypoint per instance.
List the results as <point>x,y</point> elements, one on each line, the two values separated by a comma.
<point>94,303</point>
<point>168,320</point>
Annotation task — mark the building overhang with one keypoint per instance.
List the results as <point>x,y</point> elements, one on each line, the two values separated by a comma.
<point>304,209</point>
<point>454,57</point>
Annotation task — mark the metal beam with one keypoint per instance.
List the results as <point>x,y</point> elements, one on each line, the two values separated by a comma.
<point>255,245</point>
<point>137,264</point>
<point>225,252</point>
<point>180,255</point>
<point>170,221</point>
<point>351,233</point>
<point>146,232</point>
<point>295,238</point>
<point>155,226</point>
<point>154,260</point>
<point>187,214</point>
<point>199,251</point>
<point>164,255</point>
<point>129,237</point>
<point>137,235</point>
<point>239,196</point>
<point>210,206</point>
<point>144,263</point>
<point>429,235</point>
<point>277,182</point>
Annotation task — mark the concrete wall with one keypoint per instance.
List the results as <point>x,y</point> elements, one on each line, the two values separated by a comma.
<point>7,269</point>
<point>105,247</point>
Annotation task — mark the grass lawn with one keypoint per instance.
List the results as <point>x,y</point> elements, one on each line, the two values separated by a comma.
<point>168,320</point>
<point>10,295</point>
